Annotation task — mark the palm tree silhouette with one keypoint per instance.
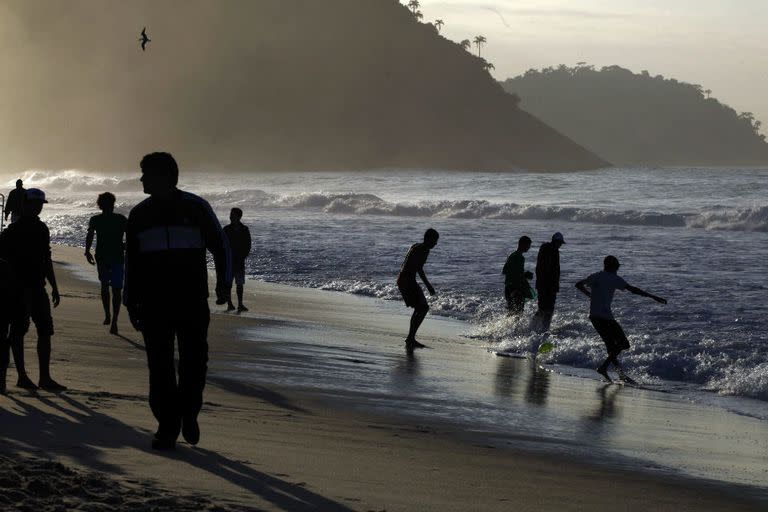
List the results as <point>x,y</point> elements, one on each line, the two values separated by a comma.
<point>414,5</point>
<point>708,92</point>
<point>466,43</point>
<point>488,66</point>
<point>480,41</point>
<point>439,24</point>
<point>418,15</point>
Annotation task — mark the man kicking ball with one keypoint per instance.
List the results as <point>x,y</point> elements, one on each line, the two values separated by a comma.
<point>602,286</point>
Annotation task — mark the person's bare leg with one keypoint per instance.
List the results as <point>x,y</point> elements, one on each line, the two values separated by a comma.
<point>44,357</point>
<point>240,306</point>
<point>116,299</point>
<point>419,314</point>
<point>105,302</point>
<point>230,306</point>
<point>17,347</point>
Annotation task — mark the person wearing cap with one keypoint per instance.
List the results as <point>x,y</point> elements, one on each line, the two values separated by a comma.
<point>109,228</point>
<point>602,286</point>
<point>14,202</point>
<point>548,280</point>
<point>516,286</point>
<point>26,246</point>
<point>166,293</point>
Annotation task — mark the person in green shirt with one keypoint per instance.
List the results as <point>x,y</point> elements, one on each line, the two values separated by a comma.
<point>109,228</point>
<point>516,286</point>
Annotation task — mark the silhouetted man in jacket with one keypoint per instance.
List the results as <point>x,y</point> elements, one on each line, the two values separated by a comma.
<point>14,202</point>
<point>166,293</point>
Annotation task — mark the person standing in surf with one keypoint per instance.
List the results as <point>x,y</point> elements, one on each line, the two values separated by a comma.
<point>516,286</point>
<point>109,229</point>
<point>547,281</point>
<point>602,286</point>
<point>413,296</point>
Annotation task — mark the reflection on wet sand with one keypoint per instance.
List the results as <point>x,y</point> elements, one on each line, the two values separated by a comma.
<point>509,374</point>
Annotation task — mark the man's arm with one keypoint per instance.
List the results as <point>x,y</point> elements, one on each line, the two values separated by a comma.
<point>248,239</point>
<point>426,281</point>
<point>642,293</point>
<point>582,286</point>
<point>89,243</point>
<point>130,298</point>
<point>50,275</point>
<point>216,242</point>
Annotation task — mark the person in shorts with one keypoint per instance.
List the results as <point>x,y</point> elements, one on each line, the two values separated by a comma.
<point>413,296</point>
<point>109,228</point>
<point>547,281</point>
<point>26,246</point>
<point>600,288</point>
<point>516,286</point>
<point>239,237</point>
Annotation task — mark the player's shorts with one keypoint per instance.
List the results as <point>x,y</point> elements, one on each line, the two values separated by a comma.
<point>36,306</point>
<point>111,274</point>
<point>611,333</point>
<point>413,295</point>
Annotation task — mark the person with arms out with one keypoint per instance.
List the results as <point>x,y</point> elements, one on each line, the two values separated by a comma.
<point>516,286</point>
<point>547,281</point>
<point>13,205</point>
<point>602,286</point>
<point>239,237</point>
<point>166,293</point>
<point>410,290</point>
<point>26,246</point>
<point>109,228</point>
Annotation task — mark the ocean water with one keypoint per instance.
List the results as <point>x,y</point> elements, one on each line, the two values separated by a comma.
<point>698,237</point>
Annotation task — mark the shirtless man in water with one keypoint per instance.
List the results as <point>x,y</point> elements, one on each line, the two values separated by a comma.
<point>411,291</point>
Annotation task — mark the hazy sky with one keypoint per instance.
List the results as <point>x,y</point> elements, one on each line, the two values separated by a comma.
<point>720,44</point>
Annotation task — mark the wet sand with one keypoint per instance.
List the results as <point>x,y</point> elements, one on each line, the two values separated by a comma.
<point>272,441</point>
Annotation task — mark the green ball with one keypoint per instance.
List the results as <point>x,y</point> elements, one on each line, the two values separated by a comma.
<point>545,347</point>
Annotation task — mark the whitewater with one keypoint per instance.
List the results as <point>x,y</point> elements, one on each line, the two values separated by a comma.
<point>698,237</point>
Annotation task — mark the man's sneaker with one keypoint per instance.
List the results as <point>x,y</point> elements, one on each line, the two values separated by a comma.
<point>51,385</point>
<point>604,372</point>
<point>25,383</point>
<point>230,307</point>
<point>190,430</point>
<point>241,308</point>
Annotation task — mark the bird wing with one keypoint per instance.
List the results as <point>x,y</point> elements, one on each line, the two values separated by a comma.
<point>144,32</point>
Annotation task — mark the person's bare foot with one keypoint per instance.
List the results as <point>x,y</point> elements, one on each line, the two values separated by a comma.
<point>107,321</point>
<point>25,382</point>
<point>113,329</point>
<point>241,308</point>
<point>51,385</point>
<point>230,307</point>
<point>604,372</point>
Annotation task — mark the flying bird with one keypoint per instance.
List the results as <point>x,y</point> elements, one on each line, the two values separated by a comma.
<point>144,39</point>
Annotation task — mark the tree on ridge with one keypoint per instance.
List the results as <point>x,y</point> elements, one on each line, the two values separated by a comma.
<point>439,24</point>
<point>466,43</point>
<point>480,41</point>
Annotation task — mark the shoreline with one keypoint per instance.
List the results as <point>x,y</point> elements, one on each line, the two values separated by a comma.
<point>271,446</point>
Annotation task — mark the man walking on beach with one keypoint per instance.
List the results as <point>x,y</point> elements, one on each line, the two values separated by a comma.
<point>516,286</point>
<point>26,246</point>
<point>602,286</point>
<point>410,290</point>
<point>547,281</point>
<point>166,293</point>
<point>239,237</point>
<point>109,228</point>
<point>14,202</point>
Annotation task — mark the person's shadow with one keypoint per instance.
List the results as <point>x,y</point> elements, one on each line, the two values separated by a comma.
<point>29,429</point>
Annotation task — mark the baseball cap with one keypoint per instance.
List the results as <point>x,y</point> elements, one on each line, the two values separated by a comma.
<point>35,194</point>
<point>558,236</point>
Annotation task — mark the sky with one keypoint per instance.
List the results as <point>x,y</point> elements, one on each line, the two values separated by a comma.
<point>719,44</point>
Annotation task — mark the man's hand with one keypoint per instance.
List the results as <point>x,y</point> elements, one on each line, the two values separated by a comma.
<point>89,257</point>
<point>56,298</point>
<point>430,289</point>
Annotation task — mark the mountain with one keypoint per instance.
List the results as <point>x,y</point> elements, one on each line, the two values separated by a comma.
<point>268,84</point>
<point>635,119</point>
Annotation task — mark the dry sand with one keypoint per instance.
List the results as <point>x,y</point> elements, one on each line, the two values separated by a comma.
<point>265,448</point>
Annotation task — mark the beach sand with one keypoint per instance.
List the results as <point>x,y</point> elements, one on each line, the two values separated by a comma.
<point>269,447</point>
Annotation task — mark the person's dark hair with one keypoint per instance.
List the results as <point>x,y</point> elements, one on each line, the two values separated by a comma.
<point>524,240</point>
<point>106,200</point>
<point>19,183</point>
<point>431,234</point>
<point>611,263</point>
<point>237,211</point>
<point>161,163</point>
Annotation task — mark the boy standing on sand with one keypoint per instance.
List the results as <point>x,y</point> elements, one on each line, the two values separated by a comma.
<point>602,286</point>
<point>109,228</point>
<point>516,287</point>
<point>26,246</point>
<point>239,237</point>
<point>410,290</point>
